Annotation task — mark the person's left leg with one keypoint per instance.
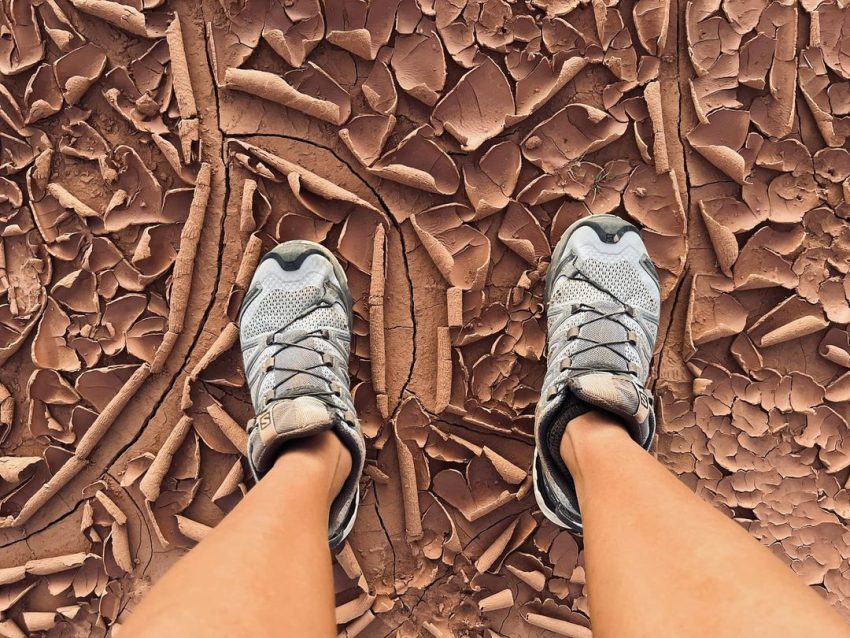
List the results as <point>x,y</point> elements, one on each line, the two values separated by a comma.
<point>266,569</point>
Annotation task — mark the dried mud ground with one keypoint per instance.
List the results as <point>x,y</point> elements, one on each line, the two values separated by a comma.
<point>151,151</point>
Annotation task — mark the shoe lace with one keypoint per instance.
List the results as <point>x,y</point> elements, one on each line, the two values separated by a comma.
<point>616,315</point>
<point>288,337</point>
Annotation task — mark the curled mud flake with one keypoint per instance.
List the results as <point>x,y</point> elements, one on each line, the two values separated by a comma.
<point>359,27</point>
<point>570,134</point>
<point>77,291</point>
<point>366,135</point>
<point>184,265</point>
<point>443,391</point>
<point>652,21</point>
<point>294,30</point>
<point>774,114</point>
<point>57,26</point>
<point>654,201</point>
<point>744,15</point>
<point>709,40</point>
<point>233,40</point>
<point>830,26</point>
<point>460,252</point>
<point>718,89</point>
<point>379,89</point>
<point>477,108</point>
<point>559,36</point>
<point>180,79</point>
<point>50,348</point>
<point>832,164</point>
<point>720,140</point>
<point>151,483</point>
<point>733,214</point>
<point>419,65</point>
<point>521,232</point>
<point>69,201</point>
<point>558,619</point>
<point>138,198</point>
<point>792,319</point>
<point>835,346</point>
<point>322,197</point>
<point>119,315</point>
<point>790,197</point>
<point>99,386</point>
<point>125,17</point>
<point>411,434</point>
<point>652,96</point>
<point>361,229</point>
<point>490,184</point>
<point>817,89</point>
<point>82,141</point>
<point>722,239</point>
<point>255,210</point>
<point>458,491</point>
<point>140,109</point>
<point>309,90</point>
<point>547,77</point>
<point>377,337</point>
<point>419,162</point>
<point>834,300</point>
<point>746,355</point>
<point>785,156</point>
<point>21,46</point>
<point>575,181</point>
<point>459,37</point>
<point>712,312</point>
<point>500,600</point>
<point>756,57</point>
<point>608,186</point>
<point>145,336</point>
<point>42,97</point>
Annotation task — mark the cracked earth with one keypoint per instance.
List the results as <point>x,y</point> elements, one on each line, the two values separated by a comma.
<point>152,150</point>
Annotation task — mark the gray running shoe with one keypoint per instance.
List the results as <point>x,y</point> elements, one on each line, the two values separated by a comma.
<point>603,302</point>
<point>295,329</point>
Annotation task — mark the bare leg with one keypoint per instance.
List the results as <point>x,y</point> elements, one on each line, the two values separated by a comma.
<point>266,569</point>
<point>661,562</point>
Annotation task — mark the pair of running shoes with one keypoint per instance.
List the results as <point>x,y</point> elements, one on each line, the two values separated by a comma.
<point>602,300</point>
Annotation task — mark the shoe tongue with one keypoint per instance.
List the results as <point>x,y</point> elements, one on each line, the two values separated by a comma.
<point>613,393</point>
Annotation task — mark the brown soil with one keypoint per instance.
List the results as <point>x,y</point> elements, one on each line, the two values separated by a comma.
<point>153,150</point>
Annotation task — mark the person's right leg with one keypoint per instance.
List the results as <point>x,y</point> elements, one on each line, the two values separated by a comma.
<point>662,562</point>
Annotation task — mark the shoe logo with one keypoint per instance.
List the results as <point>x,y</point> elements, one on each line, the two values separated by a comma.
<point>264,420</point>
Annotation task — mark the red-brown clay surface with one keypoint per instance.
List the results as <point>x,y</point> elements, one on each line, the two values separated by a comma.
<point>151,151</point>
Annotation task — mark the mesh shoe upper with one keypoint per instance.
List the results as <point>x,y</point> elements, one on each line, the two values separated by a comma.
<point>603,303</point>
<point>295,331</point>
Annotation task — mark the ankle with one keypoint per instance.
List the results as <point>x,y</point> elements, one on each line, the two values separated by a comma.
<point>588,433</point>
<point>321,461</point>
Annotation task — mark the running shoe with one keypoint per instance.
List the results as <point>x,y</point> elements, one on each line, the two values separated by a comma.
<point>295,331</point>
<point>603,303</point>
